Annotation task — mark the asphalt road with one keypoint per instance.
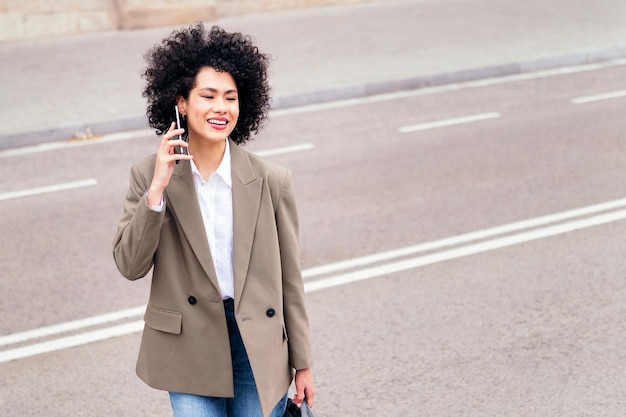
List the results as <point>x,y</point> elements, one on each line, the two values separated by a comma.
<point>443,313</point>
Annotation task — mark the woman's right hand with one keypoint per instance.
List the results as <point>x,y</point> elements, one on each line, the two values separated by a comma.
<point>165,160</point>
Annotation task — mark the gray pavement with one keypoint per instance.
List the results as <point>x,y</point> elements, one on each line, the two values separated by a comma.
<point>56,87</point>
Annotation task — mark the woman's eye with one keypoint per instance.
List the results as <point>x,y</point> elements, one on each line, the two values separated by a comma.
<point>209,97</point>
<point>231,99</point>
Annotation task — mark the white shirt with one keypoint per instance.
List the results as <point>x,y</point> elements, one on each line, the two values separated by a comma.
<point>215,198</point>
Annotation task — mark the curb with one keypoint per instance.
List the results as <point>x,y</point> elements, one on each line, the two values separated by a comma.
<point>435,80</point>
<point>341,93</point>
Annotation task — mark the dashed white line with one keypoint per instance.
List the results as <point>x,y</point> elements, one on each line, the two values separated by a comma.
<point>599,97</point>
<point>286,149</point>
<point>339,104</point>
<point>86,183</point>
<point>133,134</point>
<point>446,88</point>
<point>449,122</point>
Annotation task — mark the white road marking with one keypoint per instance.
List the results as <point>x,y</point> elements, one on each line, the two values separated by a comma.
<point>54,146</point>
<point>71,341</point>
<point>70,326</point>
<point>86,183</point>
<point>115,137</point>
<point>486,246</point>
<point>310,286</point>
<point>449,122</point>
<point>599,97</point>
<point>48,189</point>
<point>133,134</point>
<point>465,238</point>
<point>446,88</point>
<point>286,149</point>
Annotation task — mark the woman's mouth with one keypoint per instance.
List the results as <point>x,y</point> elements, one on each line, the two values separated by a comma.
<point>219,124</point>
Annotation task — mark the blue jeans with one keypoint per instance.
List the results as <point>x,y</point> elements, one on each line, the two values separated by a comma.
<point>246,400</point>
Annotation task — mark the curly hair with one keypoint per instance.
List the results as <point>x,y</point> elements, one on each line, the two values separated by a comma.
<point>173,66</point>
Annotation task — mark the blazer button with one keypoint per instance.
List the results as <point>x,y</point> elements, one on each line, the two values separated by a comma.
<point>191,299</point>
<point>270,312</point>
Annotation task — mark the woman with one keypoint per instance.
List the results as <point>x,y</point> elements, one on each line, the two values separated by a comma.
<point>225,324</point>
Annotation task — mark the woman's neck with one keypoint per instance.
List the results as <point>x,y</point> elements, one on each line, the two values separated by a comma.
<point>207,156</point>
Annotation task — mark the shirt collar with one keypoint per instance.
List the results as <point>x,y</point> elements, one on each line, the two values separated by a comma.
<point>223,170</point>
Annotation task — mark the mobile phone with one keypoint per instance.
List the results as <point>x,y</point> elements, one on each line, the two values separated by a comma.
<point>181,150</point>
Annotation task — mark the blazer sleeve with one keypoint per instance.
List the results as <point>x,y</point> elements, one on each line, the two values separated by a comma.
<point>296,320</point>
<point>138,230</point>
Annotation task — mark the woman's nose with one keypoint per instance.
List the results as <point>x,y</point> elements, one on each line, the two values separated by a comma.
<point>219,105</point>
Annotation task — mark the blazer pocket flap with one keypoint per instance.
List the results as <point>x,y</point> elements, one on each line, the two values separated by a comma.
<point>163,320</point>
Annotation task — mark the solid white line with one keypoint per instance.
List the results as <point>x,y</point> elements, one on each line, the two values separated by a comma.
<point>446,88</point>
<point>463,251</point>
<point>48,189</point>
<point>464,238</point>
<point>115,137</point>
<point>449,122</point>
<point>598,97</point>
<point>71,326</point>
<point>337,280</point>
<point>70,341</point>
<point>339,104</point>
<point>53,146</point>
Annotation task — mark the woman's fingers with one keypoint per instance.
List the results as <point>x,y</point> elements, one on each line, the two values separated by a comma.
<point>170,140</point>
<point>173,132</point>
<point>305,389</point>
<point>167,156</point>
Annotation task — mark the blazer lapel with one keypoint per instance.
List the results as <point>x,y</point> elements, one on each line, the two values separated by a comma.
<point>182,200</point>
<point>247,189</point>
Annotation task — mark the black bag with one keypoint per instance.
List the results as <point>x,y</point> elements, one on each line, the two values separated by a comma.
<point>293,410</point>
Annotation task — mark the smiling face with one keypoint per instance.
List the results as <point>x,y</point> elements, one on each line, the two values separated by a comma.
<point>212,108</point>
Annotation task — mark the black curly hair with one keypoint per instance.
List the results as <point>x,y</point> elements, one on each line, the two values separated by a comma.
<point>174,64</point>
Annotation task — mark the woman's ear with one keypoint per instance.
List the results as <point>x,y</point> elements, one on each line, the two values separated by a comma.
<point>182,105</point>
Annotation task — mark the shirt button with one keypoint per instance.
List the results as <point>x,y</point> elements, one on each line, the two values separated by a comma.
<point>270,312</point>
<point>192,300</point>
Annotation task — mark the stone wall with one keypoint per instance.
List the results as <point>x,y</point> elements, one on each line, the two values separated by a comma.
<point>27,19</point>
<point>23,19</point>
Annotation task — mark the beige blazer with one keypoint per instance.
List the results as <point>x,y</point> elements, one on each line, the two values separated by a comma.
<point>185,345</point>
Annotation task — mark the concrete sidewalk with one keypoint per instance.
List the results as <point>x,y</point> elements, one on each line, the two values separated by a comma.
<point>53,88</point>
